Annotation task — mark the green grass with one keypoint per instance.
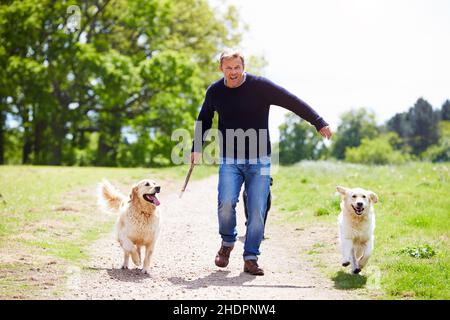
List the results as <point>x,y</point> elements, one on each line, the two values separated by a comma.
<point>10,282</point>
<point>344,280</point>
<point>40,210</point>
<point>414,210</point>
<point>28,193</point>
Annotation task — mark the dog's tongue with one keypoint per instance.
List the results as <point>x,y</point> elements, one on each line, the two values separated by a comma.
<point>154,200</point>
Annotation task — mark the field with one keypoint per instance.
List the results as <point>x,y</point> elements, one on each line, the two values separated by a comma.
<point>413,211</point>
<point>45,226</point>
<point>44,230</point>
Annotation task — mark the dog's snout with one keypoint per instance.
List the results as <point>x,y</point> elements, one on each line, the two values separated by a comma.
<point>359,204</point>
<point>158,189</point>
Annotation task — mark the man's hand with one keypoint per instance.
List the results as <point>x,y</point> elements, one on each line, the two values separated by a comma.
<point>195,156</point>
<point>326,132</point>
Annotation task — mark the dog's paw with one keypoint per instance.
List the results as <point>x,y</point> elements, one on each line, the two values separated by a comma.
<point>345,264</point>
<point>137,263</point>
<point>356,271</point>
<point>124,267</point>
<point>145,271</point>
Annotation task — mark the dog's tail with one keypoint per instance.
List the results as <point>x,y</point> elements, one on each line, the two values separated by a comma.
<point>108,197</point>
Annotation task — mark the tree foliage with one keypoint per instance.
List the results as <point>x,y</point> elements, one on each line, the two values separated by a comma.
<point>378,151</point>
<point>111,91</point>
<point>440,152</point>
<point>355,125</point>
<point>445,111</point>
<point>299,140</point>
<point>419,133</point>
<point>418,127</point>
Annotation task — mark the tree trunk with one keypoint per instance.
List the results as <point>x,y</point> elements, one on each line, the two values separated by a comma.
<point>103,157</point>
<point>2,136</point>
<point>38,132</point>
<point>59,133</point>
<point>108,142</point>
<point>27,147</point>
<point>59,130</point>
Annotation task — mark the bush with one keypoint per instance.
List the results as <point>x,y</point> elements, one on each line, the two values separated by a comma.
<point>438,153</point>
<point>441,151</point>
<point>420,252</point>
<point>375,151</point>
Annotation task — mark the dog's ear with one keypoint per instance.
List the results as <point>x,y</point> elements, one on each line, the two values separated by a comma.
<point>342,190</point>
<point>373,196</point>
<point>134,193</point>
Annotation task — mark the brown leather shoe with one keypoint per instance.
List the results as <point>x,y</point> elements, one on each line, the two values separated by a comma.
<point>223,256</point>
<point>251,266</point>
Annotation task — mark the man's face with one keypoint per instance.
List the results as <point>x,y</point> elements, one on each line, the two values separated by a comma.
<point>233,71</point>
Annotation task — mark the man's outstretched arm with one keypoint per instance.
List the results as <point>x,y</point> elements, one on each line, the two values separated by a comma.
<point>279,96</point>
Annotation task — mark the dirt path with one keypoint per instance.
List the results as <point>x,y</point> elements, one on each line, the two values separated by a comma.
<point>183,265</point>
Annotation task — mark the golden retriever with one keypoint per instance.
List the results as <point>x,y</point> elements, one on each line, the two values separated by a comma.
<point>356,226</point>
<point>138,223</point>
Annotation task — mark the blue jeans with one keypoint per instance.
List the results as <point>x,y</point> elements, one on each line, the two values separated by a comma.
<point>255,173</point>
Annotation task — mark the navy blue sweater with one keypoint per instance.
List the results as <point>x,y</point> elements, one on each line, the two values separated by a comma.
<point>247,107</point>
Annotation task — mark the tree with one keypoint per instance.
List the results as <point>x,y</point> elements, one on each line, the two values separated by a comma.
<point>355,125</point>
<point>136,65</point>
<point>377,151</point>
<point>2,131</point>
<point>399,123</point>
<point>419,127</point>
<point>440,152</point>
<point>299,140</point>
<point>445,111</point>
<point>424,126</point>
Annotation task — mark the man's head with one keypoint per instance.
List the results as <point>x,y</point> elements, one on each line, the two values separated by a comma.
<point>232,65</point>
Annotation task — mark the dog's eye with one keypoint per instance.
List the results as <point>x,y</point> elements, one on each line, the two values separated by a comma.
<point>354,196</point>
<point>364,197</point>
<point>147,184</point>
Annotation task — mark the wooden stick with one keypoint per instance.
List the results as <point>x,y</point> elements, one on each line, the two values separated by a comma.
<point>187,179</point>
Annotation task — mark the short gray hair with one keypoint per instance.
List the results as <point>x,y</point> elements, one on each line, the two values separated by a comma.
<point>230,54</point>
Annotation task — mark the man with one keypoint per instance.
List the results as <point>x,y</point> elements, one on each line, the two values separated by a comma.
<point>242,102</point>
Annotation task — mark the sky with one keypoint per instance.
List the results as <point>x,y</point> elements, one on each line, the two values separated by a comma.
<point>342,54</point>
